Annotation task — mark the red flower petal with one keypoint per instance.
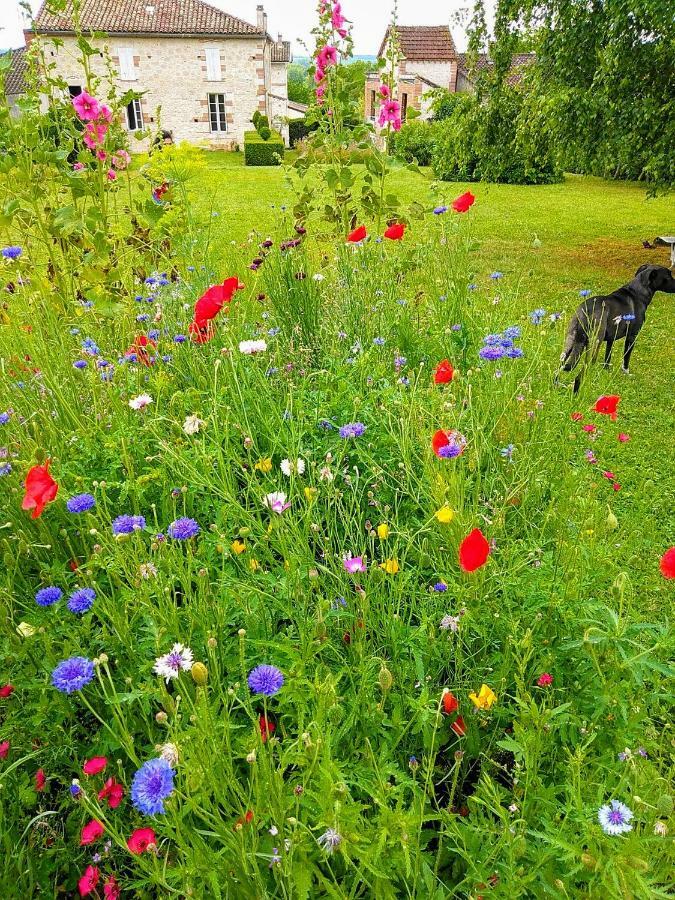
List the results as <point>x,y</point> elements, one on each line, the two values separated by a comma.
<point>88,881</point>
<point>444,372</point>
<point>40,780</point>
<point>440,439</point>
<point>95,765</point>
<point>40,489</point>
<point>141,839</point>
<point>358,235</point>
<point>607,405</point>
<point>473,551</point>
<point>6,690</point>
<point>667,564</point>
<point>91,832</point>
<point>463,202</point>
<point>395,232</point>
<point>450,703</point>
<point>459,727</point>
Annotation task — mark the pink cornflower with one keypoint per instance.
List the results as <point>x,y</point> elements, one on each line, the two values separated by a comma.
<point>111,175</point>
<point>78,166</point>
<point>86,107</point>
<point>354,564</point>
<point>545,680</point>
<point>610,476</point>
<point>590,429</point>
<point>623,438</point>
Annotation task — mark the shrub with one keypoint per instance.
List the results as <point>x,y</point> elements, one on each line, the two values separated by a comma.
<point>265,133</point>
<point>298,129</point>
<point>504,139</point>
<point>415,141</point>
<point>261,152</point>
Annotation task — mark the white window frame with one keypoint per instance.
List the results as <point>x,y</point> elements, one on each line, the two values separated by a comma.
<point>138,115</point>
<point>127,67</point>
<point>214,71</point>
<point>220,113</point>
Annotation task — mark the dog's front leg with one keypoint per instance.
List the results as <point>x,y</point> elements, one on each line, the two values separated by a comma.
<point>608,353</point>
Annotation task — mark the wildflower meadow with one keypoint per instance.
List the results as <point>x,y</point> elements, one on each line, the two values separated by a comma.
<point>315,583</point>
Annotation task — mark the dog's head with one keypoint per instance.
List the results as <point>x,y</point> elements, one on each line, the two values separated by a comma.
<point>656,278</point>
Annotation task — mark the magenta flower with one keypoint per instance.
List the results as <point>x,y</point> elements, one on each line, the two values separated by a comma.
<point>328,56</point>
<point>319,75</point>
<point>94,134</point>
<point>390,114</point>
<point>87,107</point>
<point>354,564</point>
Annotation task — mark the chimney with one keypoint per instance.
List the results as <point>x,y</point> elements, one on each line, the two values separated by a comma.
<point>280,39</point>
<point>261,18</point>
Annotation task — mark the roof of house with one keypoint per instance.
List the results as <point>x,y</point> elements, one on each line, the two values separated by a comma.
<point>144,17</point>
<point>297,107</point>
<point>281,51</point>
<point>428,42</point>
<point>15,78</point>
<point>519,62</point>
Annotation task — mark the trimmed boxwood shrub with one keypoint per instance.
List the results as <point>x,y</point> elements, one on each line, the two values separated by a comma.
<point>415,141</point>
<point>260,152</point>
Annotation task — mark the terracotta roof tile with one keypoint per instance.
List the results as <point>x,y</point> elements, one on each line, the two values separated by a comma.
<point>519,62</point>
<point>15,78</point>
<point>144,17</point>
<point>432,42</point>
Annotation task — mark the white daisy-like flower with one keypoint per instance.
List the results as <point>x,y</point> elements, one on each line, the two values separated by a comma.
<point>192,424</point>
<point>171,664</point>
<point>147,570</point>
<point>251,347</point>
<point>276,502</point>
<point>168,752</point>
<point>318,277</point>
<point>141,401</point>
<point>615,817</point>
<point>292,467</point>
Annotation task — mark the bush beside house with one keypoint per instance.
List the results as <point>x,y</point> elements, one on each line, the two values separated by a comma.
<point>259,151</point>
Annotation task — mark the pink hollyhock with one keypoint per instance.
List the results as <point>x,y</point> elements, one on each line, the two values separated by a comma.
<point>78,166</point>
<point>328,56</point>
<point>86,107</point>
<point>390,114</point>
<point>667,564</point>
<point>41,489</point>
<point>607,405</point>
<point>545,680</point>
<point>463,202</point>
<point>359,234</point>
<point>395,232</point>
<point>141,840</point>
<point>111,889</point>
<point>91,832</point>
<point>105,114</point>
<point>87,883</point>
<point>354,564</point>
<point>320,93</point>
<point>94,134</point>
<point>6,690</point>
<point>319,75</point>
<point>4,749</point>
<point>101,155</point>
<point>95,765</point>
<point>338,21</point>
<point>623,438</point>
<point>384,91</point>
<point>121,159</point>
<point>473,551</point>
<point>40,780</point>
<point>113,792</point>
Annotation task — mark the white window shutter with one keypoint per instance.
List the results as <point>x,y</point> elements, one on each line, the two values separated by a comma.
<point>213,71</point>
<point>127,69</point>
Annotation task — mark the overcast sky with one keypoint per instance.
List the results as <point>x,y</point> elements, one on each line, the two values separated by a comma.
<point>295,18</point>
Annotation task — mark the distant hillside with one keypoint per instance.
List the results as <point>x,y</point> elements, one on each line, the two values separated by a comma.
<point>304,60</point>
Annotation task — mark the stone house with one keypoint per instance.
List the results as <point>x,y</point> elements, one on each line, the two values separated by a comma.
<point>15,78</point>
<point>201,72</point>
<point>429,61</point>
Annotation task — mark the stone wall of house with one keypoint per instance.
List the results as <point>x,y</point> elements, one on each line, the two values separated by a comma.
<point>172,73</point>
<point>441,73</point>
<point>279,99</point>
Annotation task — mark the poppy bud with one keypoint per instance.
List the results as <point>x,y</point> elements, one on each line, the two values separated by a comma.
<point>612,521</point>
<point>385,679</point>
<point>212,643</point>
<point>200,674</point>
<point>589,861</point>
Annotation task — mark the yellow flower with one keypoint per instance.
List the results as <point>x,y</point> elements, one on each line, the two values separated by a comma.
<point>253,565</point>
<point>25,630</point>
<point>445,515</point>
<point>238,547</point>
<point>390,566</point>
<point>383,531</point>
<point>485,697</point>
<point>310,493</point>
<point>264,464</point>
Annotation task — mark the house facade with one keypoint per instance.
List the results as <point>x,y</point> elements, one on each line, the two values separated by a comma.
<point>429,61</point>
<point>202,73</point>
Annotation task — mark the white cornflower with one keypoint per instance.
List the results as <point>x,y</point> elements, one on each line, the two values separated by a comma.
<point>147,570</point>
<point>140,402</point>
<point>330,840</point>
<point>168,752</point>
<point>318,277</point>
<point>325,474</point>
<point>449,623</point>
<point>276,502</point>
<point>170,665</point>
<point>292,467</point>
<point>615,818</point>
<point>251,347</point>
<point>192,424</point>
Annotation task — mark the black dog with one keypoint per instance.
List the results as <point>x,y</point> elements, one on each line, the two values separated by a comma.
<point>619,315</point>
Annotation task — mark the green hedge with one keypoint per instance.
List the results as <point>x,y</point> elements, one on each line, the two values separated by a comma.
<point>258,152</point>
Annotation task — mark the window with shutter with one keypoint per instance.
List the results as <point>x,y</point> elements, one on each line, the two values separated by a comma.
<point>213,70</point>
<point>127,68</point>
<point>135,116</point>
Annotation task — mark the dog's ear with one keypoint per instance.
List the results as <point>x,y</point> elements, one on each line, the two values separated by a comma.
<point>642,268</point>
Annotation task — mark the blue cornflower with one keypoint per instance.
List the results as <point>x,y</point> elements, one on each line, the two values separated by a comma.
<point>273,370</point>
<point>496,275</point>
<point>273,332</point>
<point>152,784</point>
<point>506,343</point>
<point>352,430</point>
<point>80,503</point>
<point>128,524</point>
<point>47,596</point>
<point>325,425</point>
<point>4,418</point>
<point>379,341</point>
<point>12,252</point>
<point>151,280</point>
<point>143,317</point>
<point>441,587</point>
<point>451,450</point>
<point>456,328</point>
<point>183,529</point>
<point>72,674</point>
<point>80,364</point>
<point>167,358</point>
<point>585,293</point>
<point>629,317</point>
<point>75,790</point>
<point>404,381</point>
<point>491,354</point>
<point>107,375</point>
<point>440,210</point>
<point>90,347</point>
<point>513,331</point>
<point>5,469</point>
<point>492,340</point>
<point>537,316</point>
<point>191,268</point>
<point>73,331</point>
<point>179,339</point>
<point>400,361</point>
<point>338,602</point>
<point>81,601</point>
<point>153,334</point>
<point>472,287</point>
<point>267,680</point>
<point>507,452</point>
<point>514,352</point>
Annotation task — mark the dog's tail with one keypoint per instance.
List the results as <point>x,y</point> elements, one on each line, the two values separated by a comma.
<point>575,344</point>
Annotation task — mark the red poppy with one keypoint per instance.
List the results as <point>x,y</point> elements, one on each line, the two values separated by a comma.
<point>41,489</point>
<point>111,889</point>
<point>473,551</point>
<point>95,765</point>
<point>450,704</point>
<point>201,335</point>
<point>140,348</point>
<point>91,832</point>
<point>40,780</point>
<point>667,564</point>
<point>606,405</point>
<point>6,690</point>
<point>267,728</point>
<point>577,416</point>
<point>395,232</point>
<point>444,372</point>
<point>113,792</point>
<point>211,302</point>
<point>141,839</point>
<point>87,883</point>
<point>243,820</point>
<point>459,727</point>
<point>463,202</point>
<point>4,749</point>
<point>443,439</point>
<point>358,235</point>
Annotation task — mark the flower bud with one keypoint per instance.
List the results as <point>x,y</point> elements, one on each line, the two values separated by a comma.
<point>251,757</point>
<point>161,717</point>
<point>612,521</point>
<point>385,679</point>
<point>200,674</point>
<point>212,643</point>
<point>590,862</point>
<point>383,531</point>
